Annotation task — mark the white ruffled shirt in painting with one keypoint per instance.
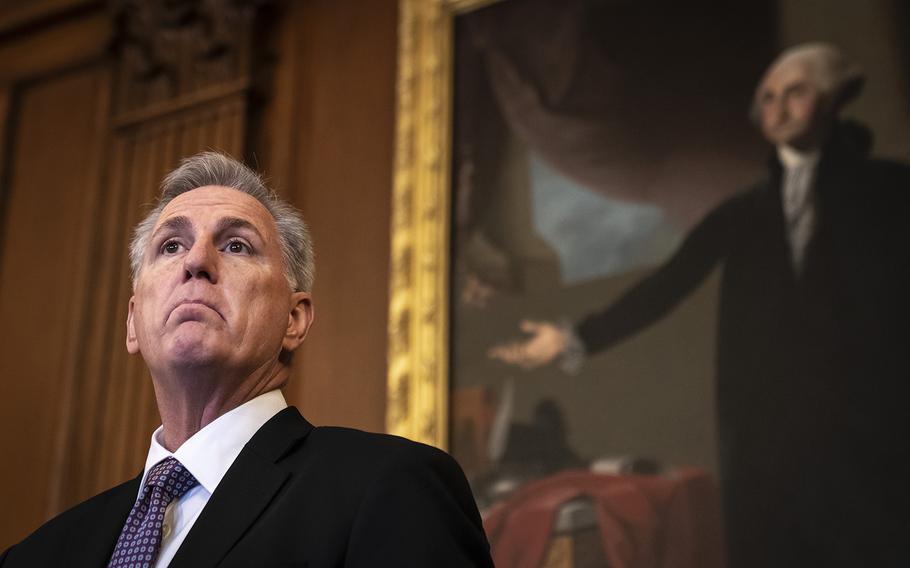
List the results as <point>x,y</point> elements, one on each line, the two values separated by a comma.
<point>798,200</point>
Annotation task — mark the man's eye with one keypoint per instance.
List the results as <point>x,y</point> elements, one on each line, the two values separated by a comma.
<point>798,90</point>
<point>766,99</point>
<point>237,247</point>
<point>170,247</point>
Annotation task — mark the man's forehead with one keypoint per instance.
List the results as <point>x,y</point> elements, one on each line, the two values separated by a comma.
<point>786,73</point>
<point>209,204</point>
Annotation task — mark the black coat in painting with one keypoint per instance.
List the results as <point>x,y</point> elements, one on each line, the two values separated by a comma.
<point>812,372</point>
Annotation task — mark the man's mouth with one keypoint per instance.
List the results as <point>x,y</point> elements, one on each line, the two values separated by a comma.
<point>191,306</point>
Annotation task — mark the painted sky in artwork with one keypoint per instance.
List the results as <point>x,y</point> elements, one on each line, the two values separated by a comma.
<point>593,235</point>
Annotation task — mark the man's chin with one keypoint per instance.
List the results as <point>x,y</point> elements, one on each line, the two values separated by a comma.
<point>794,137</point>
<point>194,350</point>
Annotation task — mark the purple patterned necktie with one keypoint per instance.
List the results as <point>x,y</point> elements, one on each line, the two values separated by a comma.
<point>140,539</point>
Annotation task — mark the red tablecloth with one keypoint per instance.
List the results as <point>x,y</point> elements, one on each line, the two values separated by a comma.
<point>646,521</point>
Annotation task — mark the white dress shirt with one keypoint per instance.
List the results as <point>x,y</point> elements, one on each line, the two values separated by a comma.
<point>207,455</point>
<point>798,199</point>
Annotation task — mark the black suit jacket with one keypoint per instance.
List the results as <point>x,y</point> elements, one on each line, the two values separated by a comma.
<point>298,496</point>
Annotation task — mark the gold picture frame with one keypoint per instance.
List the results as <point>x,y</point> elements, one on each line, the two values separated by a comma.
<point>418,345</point>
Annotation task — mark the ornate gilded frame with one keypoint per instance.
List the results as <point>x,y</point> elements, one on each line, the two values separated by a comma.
<point>418,357</point>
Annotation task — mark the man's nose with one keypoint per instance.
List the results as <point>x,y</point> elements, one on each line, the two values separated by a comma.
<point>777,111</point>
<point>201,261</point>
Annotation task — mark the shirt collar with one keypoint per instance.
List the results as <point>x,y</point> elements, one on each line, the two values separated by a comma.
<point>792,158</point>
<point>209,453</point>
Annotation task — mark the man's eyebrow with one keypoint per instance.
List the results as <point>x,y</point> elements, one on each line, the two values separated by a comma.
<point>174,224</point>
<point>181,224</point>
<point>227,223</point>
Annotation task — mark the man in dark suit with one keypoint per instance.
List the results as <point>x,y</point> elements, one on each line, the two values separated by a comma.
<point>812,383</point>
<point>221,271</point>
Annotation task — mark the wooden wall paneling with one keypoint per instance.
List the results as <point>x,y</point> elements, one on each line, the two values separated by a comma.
<point>47,50</point>
<point>171,139</point>
<point>30,52</point>
<point>77,319</point>
<point>143,421</point>
<point>40,43</point>
<point>197,139</point>
<point>207,131</point>
<point>343,114</point>
<point>6,126</point>
<point>131,431</point>
<point>187,137</point>
<point>237,128</point>
<point>52,185</point>
<point>274,133</point>
<point>221,128</point>
<point>118,406</point>
<point>95,382</point>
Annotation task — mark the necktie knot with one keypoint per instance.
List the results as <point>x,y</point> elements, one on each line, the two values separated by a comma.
<point>171,477</point>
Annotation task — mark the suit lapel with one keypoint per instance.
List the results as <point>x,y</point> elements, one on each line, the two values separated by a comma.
<point>245,492</point>
<point>98,534</point>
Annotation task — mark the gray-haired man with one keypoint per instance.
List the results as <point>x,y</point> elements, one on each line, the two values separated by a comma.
<point>222,271</point>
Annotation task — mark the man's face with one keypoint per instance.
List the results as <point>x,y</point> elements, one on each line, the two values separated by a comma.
<point>791,107</point>
<point>211,289</point>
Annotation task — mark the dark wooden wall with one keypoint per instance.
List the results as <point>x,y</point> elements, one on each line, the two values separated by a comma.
<point>87,128</point>
<point>340,175</point>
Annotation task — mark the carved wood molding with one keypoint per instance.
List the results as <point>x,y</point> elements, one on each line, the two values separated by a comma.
<point>176,53</point>
<point>18,16</point>
<point>418,319</point>
<point>418,366</point>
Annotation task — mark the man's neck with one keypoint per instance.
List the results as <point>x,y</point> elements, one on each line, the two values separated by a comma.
<point>189,401</point>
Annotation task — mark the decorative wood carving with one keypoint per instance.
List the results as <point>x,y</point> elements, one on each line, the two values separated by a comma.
<point>179,51</point>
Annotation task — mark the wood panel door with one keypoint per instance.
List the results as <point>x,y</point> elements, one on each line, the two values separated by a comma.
<point>55,111</point>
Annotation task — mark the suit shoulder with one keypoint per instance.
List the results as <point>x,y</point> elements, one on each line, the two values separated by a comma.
<point>49,538</point>
<point>85,510</point>
<point>373,448</point>
<point>363,459</point>
<point>416,508</point>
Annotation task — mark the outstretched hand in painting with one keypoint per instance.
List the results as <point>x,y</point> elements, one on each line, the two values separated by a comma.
<point>547,341</point>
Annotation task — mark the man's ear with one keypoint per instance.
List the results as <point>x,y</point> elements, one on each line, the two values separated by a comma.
<point>300,319</point>
<point>132,344</point>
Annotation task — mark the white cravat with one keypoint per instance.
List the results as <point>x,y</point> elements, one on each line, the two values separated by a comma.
<point>798,200</point>
<point>208,454</point>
